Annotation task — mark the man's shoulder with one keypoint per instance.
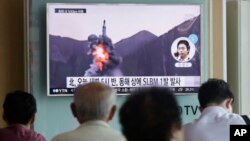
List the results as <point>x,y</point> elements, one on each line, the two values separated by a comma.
<point>36,136</point>
<point>14,132</point>
<point>235,118</point>
<point>188,127</point>
<point>62,136</point>
<point>226,118</point>
<point>102,130</point>
<point>33,135</point>
<point>96,132</point>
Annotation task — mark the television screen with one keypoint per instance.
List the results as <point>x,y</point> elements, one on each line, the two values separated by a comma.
<point>126,46</point>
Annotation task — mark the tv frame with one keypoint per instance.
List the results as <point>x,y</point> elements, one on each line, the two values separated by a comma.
<point>117,78</point>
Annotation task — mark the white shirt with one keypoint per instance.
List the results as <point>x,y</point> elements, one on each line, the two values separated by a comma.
<point>183,60</point>
<point>213,125</point>
<point>91,131</point>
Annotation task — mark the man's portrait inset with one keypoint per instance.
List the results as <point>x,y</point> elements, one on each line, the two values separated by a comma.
<point>183,49</point>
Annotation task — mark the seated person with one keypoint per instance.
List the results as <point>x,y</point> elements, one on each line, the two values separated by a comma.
<point>216,99</point>
<point>93,106</point>
<point>151,114</point>
<point>19,110</point>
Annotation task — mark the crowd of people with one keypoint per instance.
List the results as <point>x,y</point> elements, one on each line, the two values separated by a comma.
<point>149,114</point>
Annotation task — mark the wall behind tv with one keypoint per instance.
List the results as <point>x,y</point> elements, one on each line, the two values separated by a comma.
<point>54,115</point>
<point>11,49</point>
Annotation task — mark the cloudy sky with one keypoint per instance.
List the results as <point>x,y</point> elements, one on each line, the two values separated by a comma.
<point>122,20</point>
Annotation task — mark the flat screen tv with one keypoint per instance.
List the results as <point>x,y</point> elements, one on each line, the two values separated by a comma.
<point>126,46</point>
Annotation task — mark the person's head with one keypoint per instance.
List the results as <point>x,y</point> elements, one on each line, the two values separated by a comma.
<point>94,101</point>
<point>215,92</point>
<point>19,108</point>
<point>151,114</point>
<point>183,49</point>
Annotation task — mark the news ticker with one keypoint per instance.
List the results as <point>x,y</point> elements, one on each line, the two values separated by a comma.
<point>239,132</point>
<point>135,81</point>
<point>124,85</point>
<point>121,91</point>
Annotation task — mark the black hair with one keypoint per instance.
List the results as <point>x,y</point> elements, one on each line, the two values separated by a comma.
<point>149,114</point>
<point>214,91</point>
<point>185,42</point>
<point>19,107</point>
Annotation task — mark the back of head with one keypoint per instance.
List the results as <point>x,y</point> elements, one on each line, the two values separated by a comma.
<point>94,101</point>
<point>214,91</point>
<point>149,115</point>
<point>19,107</point>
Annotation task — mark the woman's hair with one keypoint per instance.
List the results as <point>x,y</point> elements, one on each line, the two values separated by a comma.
<point>149,115</point>
<point>185,42</point>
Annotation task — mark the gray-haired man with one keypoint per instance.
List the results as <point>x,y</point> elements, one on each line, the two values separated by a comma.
<point>93,106</point>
